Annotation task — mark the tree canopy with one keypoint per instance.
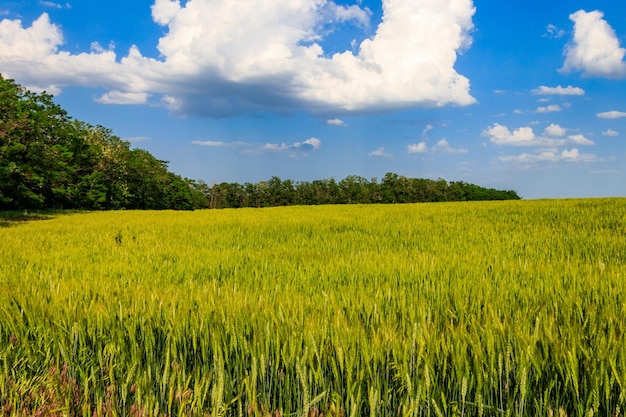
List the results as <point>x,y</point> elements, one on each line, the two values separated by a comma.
<point>48,160</point>
<point>393,188</point>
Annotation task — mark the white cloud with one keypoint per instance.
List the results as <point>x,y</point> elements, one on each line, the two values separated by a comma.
<point>550,155</point>
<point>220,144</point>
<point>220,57</point>
<point>555,130</point>
<point>55,5</point>
<point>210,143</point>
<point>297,148</point>
<point>501,135</point>
<point>441,147</point>
<point>579,140</point>
<point>417,148</point>
<point>344,14</point>
<point>549,109</point>
<point>611,115</point>
<point>605,171</point>
<point>163,11</point>
<point>118,97</point>
<point>611,133</point>
<point>559,91</point>
<point>554,32</point>
<point>444,147</point>
<point>594,48</point>
<point>336,122</point>
<point>380,153</point>
<point>525,136</point>
<point>427,129</point>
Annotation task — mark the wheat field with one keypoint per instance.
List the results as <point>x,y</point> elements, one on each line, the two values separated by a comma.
<point>511,308</point>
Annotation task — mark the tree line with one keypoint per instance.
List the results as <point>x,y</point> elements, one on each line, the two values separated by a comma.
<point>48,160</point>
<point>353,189</point>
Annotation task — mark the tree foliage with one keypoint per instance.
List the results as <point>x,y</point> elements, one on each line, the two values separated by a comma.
<point>353,189</point>
<point>49,160</point>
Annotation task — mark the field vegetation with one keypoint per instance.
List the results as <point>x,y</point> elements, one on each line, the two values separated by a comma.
<point>513,308</point>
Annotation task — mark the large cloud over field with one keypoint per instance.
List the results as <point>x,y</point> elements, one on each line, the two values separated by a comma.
<point>220,58</point>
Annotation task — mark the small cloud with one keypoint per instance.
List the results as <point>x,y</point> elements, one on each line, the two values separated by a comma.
<point>219,144</point>
<point>549,155</point>
<point>171,103</point>
<point>518,111</point>
<point>559,91</point>
<point>55,5</point>
<point>444,147</point>
<point>118,97</point>
<point>525,136</point>
<point>417,148</point>
<point>611,133</point>
<point>336,122</point>
<point>553,32</point>
<point>580,140</point>
<point>499,91</point>
<point>379,153</point>
<point>209,143</point>
<point>549,109</point>
<point>95,47</point>
<point>301,148</point>
<point>612,115</point>
<point>605,172</point>
<point>427,129</point>
<point>555,130</point>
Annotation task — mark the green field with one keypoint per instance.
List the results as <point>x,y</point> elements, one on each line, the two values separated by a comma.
<point>448,309</point>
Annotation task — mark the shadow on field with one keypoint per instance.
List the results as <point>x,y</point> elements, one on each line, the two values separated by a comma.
<point>15,218</point>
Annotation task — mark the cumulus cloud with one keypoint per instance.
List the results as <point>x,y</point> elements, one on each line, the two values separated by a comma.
<point>559,91</point>
<point>441,147</point>
<point>163,11</point>
<point>611,133</point>
<point>554,136</point>
<point>221,58</point>
<point>552,108</point>
<point>336,122</point>
<point>297,148</point>
<point>417,148</point>
<point>555,130</point>
<point>611,114</point>
<point>549,155</point>
<point>118,97</point>
<point>444,147</point>
<point>594,48</point>
<point>379,153</point>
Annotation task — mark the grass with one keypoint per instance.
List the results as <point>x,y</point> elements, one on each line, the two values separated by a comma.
<point>458,309</point>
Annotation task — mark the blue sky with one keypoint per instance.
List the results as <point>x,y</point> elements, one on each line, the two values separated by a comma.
<point>527,95</point>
